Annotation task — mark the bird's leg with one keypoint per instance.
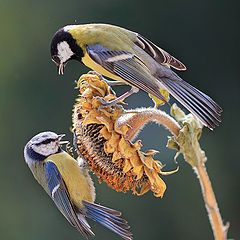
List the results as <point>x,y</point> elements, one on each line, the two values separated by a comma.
<point>118,99</point>
<point>82,162</point>
<point>113,83</point>
<point>75,144</point>
<point>96,73</point>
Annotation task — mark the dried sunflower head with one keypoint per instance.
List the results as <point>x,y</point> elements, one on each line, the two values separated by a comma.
<point>104,145</point>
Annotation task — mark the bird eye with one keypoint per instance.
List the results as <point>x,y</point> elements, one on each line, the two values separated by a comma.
<point>56,59</point>
<point>47,141</point>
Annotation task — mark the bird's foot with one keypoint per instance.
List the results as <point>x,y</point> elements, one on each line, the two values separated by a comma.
<point>109,83</point>
<point>107,104</point>
<point>69,150</point>
<point>96,73</point>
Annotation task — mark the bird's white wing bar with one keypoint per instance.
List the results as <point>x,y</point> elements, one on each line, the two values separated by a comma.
<point>125,65</point>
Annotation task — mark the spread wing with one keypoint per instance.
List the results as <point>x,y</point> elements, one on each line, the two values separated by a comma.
<point>158,54</point>
<point>125,65</point>
<point>60,196</point>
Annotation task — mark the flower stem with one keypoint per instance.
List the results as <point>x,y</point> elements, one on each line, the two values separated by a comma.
<point>138,117</point>
<point>219,230</point>
<point>187,143</point>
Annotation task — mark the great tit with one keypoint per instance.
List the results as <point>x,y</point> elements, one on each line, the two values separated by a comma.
<point>129,57</point>
<point>69,185</point>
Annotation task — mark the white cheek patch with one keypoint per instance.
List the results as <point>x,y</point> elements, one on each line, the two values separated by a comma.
<point>46,149</point>
<point>64,51</point>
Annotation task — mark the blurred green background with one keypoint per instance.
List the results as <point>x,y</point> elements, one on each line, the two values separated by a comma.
<point>34,98</point>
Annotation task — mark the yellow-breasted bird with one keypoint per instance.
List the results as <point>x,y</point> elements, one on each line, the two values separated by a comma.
<point>69,185</point>
<point>127,56</point>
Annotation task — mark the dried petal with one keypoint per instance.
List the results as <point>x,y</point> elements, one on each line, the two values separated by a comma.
<point>104,145</point>
<point>145,188</point>
<point>87,105</point>
<point>171,172</point>
<point>127,166</point>
<point>126,148</point>
<point>106,121</point>
<point>112,144</point>
<point>137,163</point>
<point>105,133</point>
<point>91,118</point>
<point>150,152</point>
<point>140,174</point>
<point>147,160</point>
<point>138,144</point>
<point>116,156</point>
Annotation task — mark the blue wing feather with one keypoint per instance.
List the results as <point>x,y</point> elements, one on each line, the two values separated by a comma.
<point>60,196</point>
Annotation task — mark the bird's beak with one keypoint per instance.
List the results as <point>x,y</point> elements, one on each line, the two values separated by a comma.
<point>61,68</point>
<point>62,142</point>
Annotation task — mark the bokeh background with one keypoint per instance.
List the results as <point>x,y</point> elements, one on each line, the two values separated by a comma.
<point>33,98</point>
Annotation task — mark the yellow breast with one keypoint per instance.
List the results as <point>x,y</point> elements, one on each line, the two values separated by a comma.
<point>77,180</point>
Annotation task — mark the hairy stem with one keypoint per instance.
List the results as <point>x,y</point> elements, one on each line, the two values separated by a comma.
<point>187,143</point>
<point>219,230</point>
<point>137,119</point>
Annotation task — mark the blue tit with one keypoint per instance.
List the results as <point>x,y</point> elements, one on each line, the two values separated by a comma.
<point>69,185</point>
<point>129,57</point>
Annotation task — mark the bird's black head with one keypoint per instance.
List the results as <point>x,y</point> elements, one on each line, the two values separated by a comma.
<point>64,48</point>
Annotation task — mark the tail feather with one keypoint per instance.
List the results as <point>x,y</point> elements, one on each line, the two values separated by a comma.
<point>197,110</point>
<point>109,224</point>
<point>103,209</point>
<point>206,97</point>
<point>202,106</point>
<point>85,228</point>
<point>108,218</point>
<point>110,212</point>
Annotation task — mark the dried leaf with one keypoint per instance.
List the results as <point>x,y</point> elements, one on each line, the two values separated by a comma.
<point>187,140</point>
